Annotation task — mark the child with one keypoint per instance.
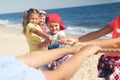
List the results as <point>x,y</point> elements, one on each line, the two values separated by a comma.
<point>56,28</point>
<point>33,32</point>
<point>42,20</point>
<point>109,64</point>
<point>41,23</point>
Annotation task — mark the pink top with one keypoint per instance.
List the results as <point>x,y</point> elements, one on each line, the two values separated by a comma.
<point>43,29</point>
<point>115,24</point>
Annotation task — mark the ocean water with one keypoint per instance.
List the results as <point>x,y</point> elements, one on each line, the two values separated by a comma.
<point>78,20</point>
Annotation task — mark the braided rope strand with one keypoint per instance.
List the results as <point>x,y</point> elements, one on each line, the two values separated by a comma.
<point>110,51</point>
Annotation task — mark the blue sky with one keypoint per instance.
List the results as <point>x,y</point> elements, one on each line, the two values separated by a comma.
<point>8,6</point>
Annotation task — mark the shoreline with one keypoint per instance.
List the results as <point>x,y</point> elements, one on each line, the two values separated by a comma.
<point>13,43</point>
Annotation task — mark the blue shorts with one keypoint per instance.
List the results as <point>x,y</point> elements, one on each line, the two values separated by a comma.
<point>11,69</point>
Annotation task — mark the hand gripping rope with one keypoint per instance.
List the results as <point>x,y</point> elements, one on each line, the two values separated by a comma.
<point>102,50</point>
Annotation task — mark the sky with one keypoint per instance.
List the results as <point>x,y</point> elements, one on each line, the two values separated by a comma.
<point>9,6</point>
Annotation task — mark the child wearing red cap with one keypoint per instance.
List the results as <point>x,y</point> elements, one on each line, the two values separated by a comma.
<point>56,28</point>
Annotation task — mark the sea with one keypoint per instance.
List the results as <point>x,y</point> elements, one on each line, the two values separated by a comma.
<point>79,20</point>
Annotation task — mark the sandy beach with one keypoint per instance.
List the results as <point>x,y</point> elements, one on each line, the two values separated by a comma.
<point>13,42</point>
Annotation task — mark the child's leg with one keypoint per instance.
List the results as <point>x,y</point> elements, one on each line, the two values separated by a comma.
<point>66,70</point>
<point>40,58</point>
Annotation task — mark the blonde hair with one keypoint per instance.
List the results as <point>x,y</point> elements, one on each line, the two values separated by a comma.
<point>26,15</point>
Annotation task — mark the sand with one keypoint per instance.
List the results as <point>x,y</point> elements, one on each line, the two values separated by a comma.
<point>13,43</point>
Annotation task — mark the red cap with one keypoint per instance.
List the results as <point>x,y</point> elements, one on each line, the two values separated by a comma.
<point>54,17</point>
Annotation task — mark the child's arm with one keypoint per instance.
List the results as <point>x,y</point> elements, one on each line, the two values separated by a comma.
<point>40,33</point>
<point>61,38</point>
<point>106,43</point>
<point>44,43</point>
<point>96,34</point>
<point>67,41</point>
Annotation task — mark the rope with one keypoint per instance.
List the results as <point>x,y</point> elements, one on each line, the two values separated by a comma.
<point>110,51</point>
<point>102,50</point>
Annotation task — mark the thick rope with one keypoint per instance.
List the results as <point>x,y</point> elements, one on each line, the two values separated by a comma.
<point>110,51</point>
